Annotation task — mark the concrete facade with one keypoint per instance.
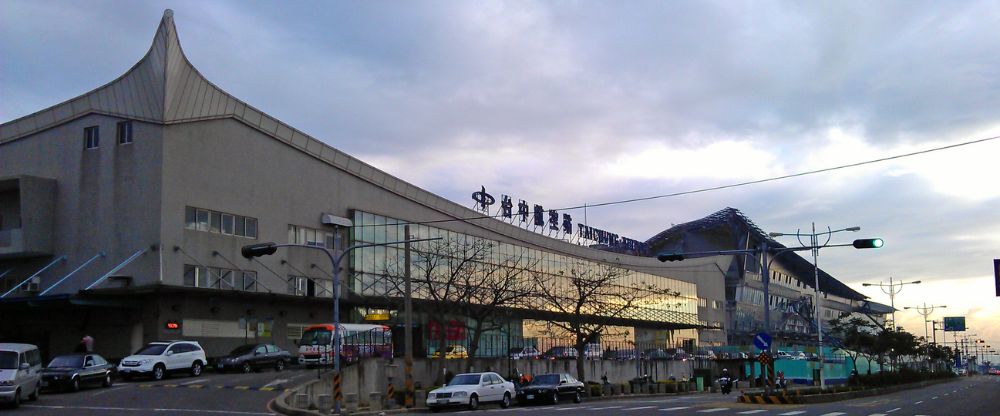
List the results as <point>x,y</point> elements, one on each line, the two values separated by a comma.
<point>119,221</point>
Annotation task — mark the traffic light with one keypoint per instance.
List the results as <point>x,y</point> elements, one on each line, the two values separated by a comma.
<point>869,243</point>
<point>670,257</point>
<point>257,250</point>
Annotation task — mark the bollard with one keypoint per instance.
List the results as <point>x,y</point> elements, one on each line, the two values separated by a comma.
<point>300,401</point>
<point>351,401</point>
<point>419,398</point>
<point>375,401</point>
<point>324,402</point>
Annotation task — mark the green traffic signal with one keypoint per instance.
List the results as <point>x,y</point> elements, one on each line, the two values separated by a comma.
<point>669,257</point>
<point>869,243</point>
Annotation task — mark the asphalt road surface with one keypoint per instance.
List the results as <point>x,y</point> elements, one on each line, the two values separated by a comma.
<point>210,394</point>
<point>972,396</point>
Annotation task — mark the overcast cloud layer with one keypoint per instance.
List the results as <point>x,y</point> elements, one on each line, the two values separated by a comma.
<point>565,103</point>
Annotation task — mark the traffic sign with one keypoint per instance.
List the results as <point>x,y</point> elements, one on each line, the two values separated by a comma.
<point>762,341</point>
<point>954,323</point>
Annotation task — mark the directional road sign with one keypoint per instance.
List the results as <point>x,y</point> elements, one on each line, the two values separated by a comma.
<point>762,341</point>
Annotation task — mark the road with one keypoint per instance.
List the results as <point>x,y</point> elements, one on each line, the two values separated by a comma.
<point>967,396</point>
<point>210,394</point>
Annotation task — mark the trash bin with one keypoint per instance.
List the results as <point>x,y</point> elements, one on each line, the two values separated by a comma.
<point>701,383</point>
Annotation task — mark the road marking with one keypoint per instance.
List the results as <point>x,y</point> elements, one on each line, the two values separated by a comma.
<point>276,382</point>
<point>796,412</point>
<point>934,398</point>
<point>107,390</point>
<point>717,409</point>
<point>135,409</point>
<point>833,414</point>
<point>919,402</point>
<point>670,409</point>
<point>893,410</point>
<point>750,412</point>
<point>877,414</point>
<point>194,381</point>
<point>638,408</point>
<point>566,408</point>
<point>947,394</point>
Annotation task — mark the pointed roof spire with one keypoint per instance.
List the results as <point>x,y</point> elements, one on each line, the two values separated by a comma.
<point>163,87</point>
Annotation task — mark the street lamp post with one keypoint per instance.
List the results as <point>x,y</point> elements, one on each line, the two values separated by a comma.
<point>761,253</point>
<point>926,311</point>
<point>265,249</point>
<point>814,243</point>
<point>892,289</point>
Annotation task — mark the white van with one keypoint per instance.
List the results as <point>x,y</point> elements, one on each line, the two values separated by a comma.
<point>20,373</point>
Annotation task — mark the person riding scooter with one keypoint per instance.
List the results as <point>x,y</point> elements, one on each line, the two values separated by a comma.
<point>725,382</point>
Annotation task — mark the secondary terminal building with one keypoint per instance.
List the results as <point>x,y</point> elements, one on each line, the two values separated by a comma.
<point>123,212</point>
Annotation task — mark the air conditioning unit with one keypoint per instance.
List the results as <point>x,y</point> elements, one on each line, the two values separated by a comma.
<point>330,219</point>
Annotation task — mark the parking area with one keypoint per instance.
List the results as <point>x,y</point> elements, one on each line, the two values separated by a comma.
<point>211,393</point>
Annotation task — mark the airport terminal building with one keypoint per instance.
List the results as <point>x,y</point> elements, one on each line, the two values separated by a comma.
<point>123,212</point>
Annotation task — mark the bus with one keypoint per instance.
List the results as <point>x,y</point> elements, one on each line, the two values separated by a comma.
<point>356,341</point>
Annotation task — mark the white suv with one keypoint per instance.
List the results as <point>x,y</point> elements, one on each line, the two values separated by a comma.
<point>157,359</point>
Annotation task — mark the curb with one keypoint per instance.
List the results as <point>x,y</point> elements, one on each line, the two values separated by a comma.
<point>281,406</point>
<point>833,397</point>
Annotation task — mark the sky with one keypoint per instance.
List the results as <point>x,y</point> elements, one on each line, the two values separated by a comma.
<point>563,103</point>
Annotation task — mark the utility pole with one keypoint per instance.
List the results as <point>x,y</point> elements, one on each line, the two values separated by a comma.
<point>408,321</point>
<point>926,311</point>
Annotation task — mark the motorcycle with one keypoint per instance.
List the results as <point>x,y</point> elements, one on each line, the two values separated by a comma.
<point>726,384</point>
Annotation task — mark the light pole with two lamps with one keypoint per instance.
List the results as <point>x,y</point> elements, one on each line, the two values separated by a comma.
<point>892,289</point>
<point>266,249</point>
<point>926,311</point>
<point>814,244</point>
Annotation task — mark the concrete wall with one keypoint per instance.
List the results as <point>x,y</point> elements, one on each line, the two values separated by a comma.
<point>106,199</point>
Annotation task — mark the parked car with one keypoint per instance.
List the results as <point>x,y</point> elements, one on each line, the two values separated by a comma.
<point>656,354</point>
<point>157,359</point>
<point>72,371</point>
<point>560,353</point>
<point>592,351</point>
<point>797,355</point>
<point>524,353</point>
<point>250,357</point>
<point>452,352</point>
<point>678,354</point>
<point>704,355</point>
<point>472,389</point>
<point>782,355</point>
<point>550,388</point>
<point>626,354</point>
<point>20,373</point>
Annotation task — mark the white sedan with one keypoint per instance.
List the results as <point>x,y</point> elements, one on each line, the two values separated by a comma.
<point>472,389</point>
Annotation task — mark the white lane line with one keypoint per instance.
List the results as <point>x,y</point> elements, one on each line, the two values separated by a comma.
<point>277,382</point>
<point>877,414</point>
<point>750,412</point>
<point>947,394</point>
<point>670,409</point>
<point>893,410</point>
<point>833,414</point>
<point>717,409</point>
<point>796,412</point>
<point>107,390</point>
<point>148,410</point>
<point>637,408</point>
<point>921,401</point>
<point>934,398</point>
<point>559,409</point>
<point>198,381</point>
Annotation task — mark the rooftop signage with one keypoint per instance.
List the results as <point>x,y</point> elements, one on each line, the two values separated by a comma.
<point>552,223</point>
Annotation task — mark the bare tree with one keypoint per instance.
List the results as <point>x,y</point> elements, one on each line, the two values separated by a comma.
<point>587,297</point>
<point>504,283</point>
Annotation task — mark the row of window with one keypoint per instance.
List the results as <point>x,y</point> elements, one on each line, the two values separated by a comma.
<point>220,278</point>
<point>220,222</point>
<point>309,286</point>
<point>311,236</point>
<point>92,134</point>
<point>372,264</point>
<point>716,304</point>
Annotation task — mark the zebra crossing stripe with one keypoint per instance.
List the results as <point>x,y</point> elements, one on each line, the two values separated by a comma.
<point>796,412</point>
<point>750,412</point>
<point>670,409</point>
<point>717,409</point>
<point>833,414</point>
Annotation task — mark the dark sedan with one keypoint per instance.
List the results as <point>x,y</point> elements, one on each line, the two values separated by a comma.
<point>74,371</point>
<point>551,388</point>
<point>250,357</point>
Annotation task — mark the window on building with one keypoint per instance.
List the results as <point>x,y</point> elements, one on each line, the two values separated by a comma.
<point>193,276</point>
<point>250,281</point>
<point>703,302</point>
<point>125,132</point>
<point>228,224</point>
<point>92,137</point>
<point>219,222</point>
<point>717,304</point>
